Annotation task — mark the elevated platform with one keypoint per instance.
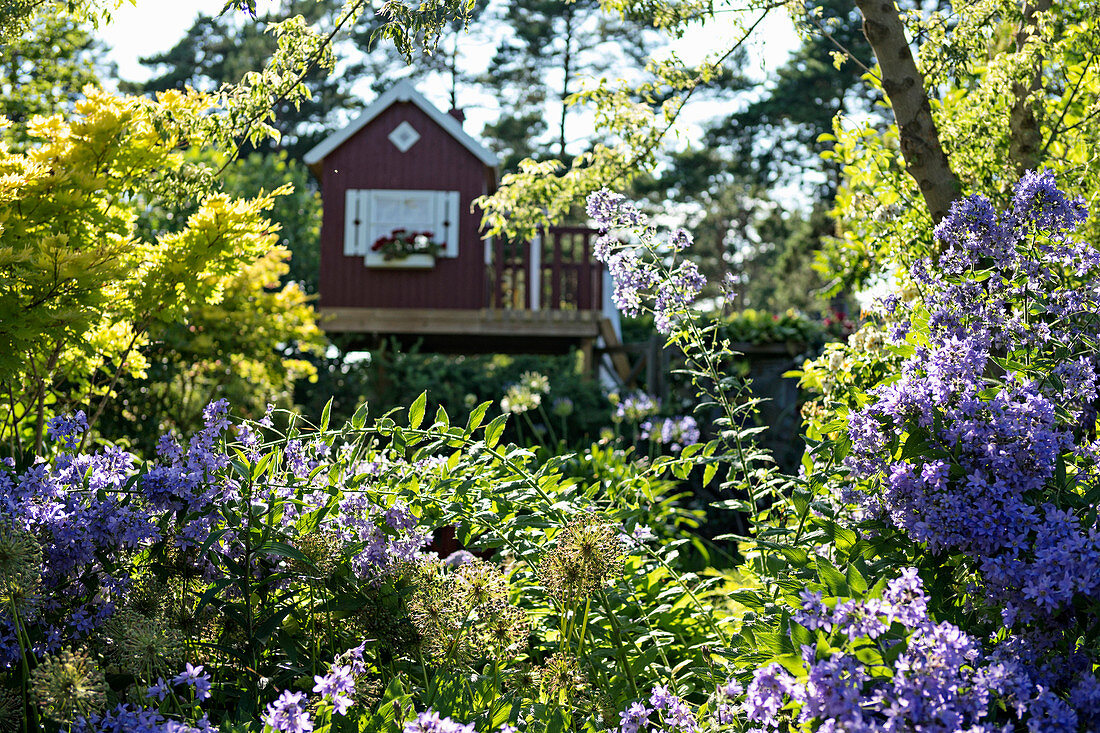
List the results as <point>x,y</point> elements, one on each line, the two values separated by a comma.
<point>464,331</point>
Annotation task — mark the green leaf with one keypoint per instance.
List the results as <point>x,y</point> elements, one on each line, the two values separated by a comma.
<point>416,410</point>
<point>832,578</point>
<point>494,429</point>
<point>501,717</point>
<point>441,417</point>
<point>476,417</point>
<point>359,419</point>
<point>708,473</point>
<point>801,636</point>
<point>281,549</point>
<point>260,468</point>
<point>856,581</point>
<point>325,414</point>
<point>796,556</point>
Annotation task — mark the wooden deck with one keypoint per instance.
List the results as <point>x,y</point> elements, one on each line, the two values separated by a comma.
<point>447,330</point>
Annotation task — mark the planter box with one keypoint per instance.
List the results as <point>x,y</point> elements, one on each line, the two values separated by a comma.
<point>412,262</point>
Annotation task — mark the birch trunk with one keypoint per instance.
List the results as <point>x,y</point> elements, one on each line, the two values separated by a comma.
<point>903,83</point>
<point>1025,138</point>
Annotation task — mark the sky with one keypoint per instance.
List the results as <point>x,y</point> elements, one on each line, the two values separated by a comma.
<point>152,26</point>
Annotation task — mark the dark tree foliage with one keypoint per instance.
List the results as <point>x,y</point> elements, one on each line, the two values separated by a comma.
<point>45,65</point>
<point>759,176</point>
<point>536,66</point>
<point>383,64</point>
<point>774,138</point>
<point>222,49</point>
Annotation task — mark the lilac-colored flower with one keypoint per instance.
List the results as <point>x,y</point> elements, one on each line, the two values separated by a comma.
<point>634,718</point>
<point>675,432</point>
<point>339,680</point>
<point>289,713</point>
<point>680,240</point>
<point>813,614</point>
<point>660,698</point>
<point>430,722</point>
<point>159,690</point>
<point>610,210</point>
<point>767,694</point>
<point>67,429</point>
<point>194,677</point>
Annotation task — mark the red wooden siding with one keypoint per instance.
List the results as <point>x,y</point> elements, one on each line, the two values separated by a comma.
<point>437,162</point>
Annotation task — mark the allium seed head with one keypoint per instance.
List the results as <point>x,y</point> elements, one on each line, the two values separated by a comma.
<point>67,686</point>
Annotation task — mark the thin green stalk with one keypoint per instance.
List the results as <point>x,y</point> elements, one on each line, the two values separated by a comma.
<point>24,645</point>
<point>549,424</point>
<point>691,594</point>
<point>534,430</point>
<point>584,627</point>
<point>620,650</point>
<point>496,690</point>
<point>707,361</point>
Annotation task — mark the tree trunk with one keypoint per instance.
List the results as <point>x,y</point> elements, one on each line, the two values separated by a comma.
<point>1025,138</point>
<point>567,70</point>
<point>903,83</point>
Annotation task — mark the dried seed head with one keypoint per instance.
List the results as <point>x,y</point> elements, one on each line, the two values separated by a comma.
<point>524,680</point>
<point>11,711</point>
<point>320,548</point>
<point>138,643</point>
<point>479,585</point>
<point>507,631</point>
<point>67,686</point>
<point>561,675</point>
<point>20,562</point>
<point>588,554</point>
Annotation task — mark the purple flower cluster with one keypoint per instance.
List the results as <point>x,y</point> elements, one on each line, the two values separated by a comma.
<point>384,536</point>
<point>83,517</point>
<point>669,713</point>
<point>338,686</point>
<point>194,677</point>
<point>675,294</point>
<point>430,721</point>
<point>964,450</point>
<point>666,712</point>
<point>675,432</point>
<point>289,713</point>
<point>938,682</point>
<point>673,288</point>
<point>150,720</point>
<point>67,429</point>
<point>128,719</point>
<point>613,211</point>
<point>635,407</point>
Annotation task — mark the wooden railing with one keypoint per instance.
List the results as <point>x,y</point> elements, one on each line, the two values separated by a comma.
<point>555,271</point>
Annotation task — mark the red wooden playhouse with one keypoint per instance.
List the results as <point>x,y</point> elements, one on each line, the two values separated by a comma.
<point>404,168</point>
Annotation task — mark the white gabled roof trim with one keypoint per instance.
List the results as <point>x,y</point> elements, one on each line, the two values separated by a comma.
<point>403,91</point>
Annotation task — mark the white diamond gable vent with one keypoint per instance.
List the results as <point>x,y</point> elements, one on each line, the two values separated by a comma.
<point>404,136</point>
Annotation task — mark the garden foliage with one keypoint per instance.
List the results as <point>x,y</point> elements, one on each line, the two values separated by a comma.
<point>932,568</point>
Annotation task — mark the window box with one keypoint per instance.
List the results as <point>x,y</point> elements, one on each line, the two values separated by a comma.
<point>409,262</point>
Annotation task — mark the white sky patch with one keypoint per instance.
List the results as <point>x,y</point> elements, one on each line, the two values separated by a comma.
<point>155,26</point>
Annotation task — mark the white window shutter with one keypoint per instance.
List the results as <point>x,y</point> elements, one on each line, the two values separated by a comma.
<point>357,222</point>
<point>353,222</point>
<point>447,216</point>
<point>366,208</point>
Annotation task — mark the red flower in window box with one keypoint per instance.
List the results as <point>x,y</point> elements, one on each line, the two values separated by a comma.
<point>401,243</point>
